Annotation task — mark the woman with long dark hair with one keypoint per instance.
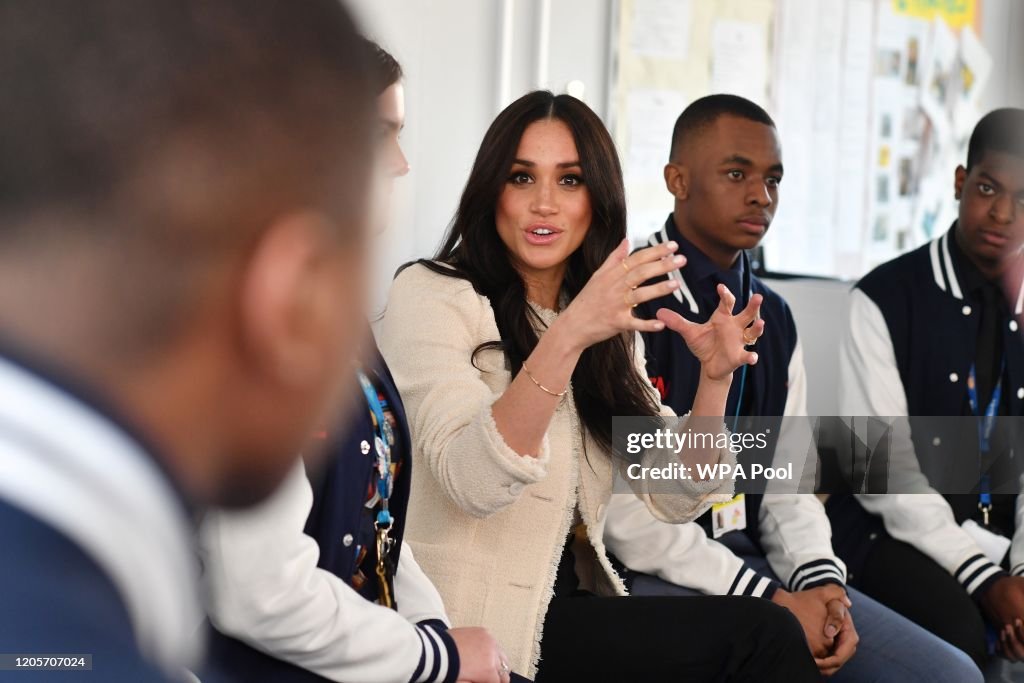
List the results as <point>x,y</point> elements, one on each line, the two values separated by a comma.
<point>513,348</point>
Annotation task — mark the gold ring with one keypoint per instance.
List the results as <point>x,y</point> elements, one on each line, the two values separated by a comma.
<point>624,265</point>
<point>625,297</point>
<point>747,341</point>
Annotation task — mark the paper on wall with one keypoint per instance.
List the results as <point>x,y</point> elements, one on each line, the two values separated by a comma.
<point>973,68</point>
<point>651,117</point>
<point>739,60</point>
<point>939,78</point>
<point>661,29</point>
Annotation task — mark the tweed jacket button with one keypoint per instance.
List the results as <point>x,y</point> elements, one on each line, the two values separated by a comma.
<point>346,540</point>
<point>1020,392</point>
<point>1013,326</point>
<point>953,377</point>
<point>936,441</point>
<point>966,310</point>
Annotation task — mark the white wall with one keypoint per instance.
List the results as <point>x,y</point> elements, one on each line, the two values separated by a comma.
<point>1001,24</point>
<point>821,310</point>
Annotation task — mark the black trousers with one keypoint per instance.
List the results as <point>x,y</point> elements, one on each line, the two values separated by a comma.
<point>906,580</point>
<point>655,639</point>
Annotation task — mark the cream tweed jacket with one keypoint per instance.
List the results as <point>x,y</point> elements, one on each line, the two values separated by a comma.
<point>487,524</point>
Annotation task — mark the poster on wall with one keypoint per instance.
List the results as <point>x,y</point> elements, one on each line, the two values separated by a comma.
<point>670,52</point>
<point>871,128</point>
<point>956,14</point>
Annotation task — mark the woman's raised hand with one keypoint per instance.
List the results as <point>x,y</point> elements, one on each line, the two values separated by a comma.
<point>605,306</point>
<point>720,343</point>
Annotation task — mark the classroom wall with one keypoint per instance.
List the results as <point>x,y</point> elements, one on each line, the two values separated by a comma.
<point>458,80</point>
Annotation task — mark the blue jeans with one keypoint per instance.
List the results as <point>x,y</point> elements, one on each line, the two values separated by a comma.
<point>892,648</point>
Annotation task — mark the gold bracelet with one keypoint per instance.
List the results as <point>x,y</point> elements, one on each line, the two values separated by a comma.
<point>542,387</point>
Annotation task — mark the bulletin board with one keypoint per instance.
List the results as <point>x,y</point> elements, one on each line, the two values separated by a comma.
<point>874,100</point>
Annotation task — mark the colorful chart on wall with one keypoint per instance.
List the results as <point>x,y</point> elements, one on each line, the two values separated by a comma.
<point>874,100</point>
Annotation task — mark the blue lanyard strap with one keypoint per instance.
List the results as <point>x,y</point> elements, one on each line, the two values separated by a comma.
<point>383,442</point>
<point>739,398</point>
<point>746,286</point>
<point>986,423</point>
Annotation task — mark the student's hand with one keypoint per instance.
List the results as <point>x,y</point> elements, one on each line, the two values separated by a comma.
<point>1003,602</point>
<point>811,608</point>
<point>845,643</point>
<point>480,656</point>
<point>1011,641</point>
<point>719,343</point>
<point>604,307</point>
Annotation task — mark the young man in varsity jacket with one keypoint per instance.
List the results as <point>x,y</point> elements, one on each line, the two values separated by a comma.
<point>296,593</point>
<point>936,332</point>
<point>725,171</point>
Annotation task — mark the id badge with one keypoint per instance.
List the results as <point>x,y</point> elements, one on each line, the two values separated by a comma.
<point>731,516</point>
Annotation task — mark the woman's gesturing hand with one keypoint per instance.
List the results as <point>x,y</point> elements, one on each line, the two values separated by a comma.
<point>720,343</point>
<point>604,307</point>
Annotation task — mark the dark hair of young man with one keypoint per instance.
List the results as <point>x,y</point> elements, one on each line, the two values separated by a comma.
<point>703,113</point>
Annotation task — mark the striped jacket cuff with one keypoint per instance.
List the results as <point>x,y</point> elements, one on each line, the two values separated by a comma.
<point>749,582</point>
<point>977,574</point>
<point>816,573</point>
<point>439,660</point>
<point>1018,570</point>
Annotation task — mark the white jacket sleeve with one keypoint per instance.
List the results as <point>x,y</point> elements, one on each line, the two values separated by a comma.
<point>870,385</point>
<point>678,553</point>
<point>266,590</point>
<point>415,594</point>
<point>795,532</point>
<point>797,539</point>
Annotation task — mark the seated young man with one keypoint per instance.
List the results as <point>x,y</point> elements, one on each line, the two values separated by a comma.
<point>935,332</point>
<point>725,173</point>
<point>317,583</point>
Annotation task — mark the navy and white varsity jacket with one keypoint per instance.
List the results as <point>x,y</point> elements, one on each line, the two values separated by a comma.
<point>282,576</point>
<point>792,529</point>
<point>908,352</point>
<point>98,556</point>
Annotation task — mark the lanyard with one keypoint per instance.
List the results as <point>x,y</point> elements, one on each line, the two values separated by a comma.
<point>986,423</point>
<point>739,398</point>
<point>747,287</point>
<point>383,441</point>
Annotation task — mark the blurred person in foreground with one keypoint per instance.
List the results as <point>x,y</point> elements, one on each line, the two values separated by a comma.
<point>185,192</point>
